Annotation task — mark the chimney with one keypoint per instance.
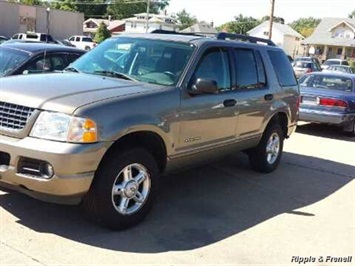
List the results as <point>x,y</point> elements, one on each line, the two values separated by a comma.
<point>212,24</point>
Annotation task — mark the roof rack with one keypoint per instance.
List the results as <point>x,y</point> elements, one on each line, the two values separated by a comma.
<point>231,36</point>
<point>176,33</point>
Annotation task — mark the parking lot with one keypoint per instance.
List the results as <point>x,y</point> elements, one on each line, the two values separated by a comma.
<point>220,213</point>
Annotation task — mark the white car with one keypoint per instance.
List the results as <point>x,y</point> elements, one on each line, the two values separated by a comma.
<point>82,42</point>
<point>334,61</point>
<point>33,36</point>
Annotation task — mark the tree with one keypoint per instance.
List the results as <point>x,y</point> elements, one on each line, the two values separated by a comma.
<point>352,14</point>
<point>241,25</point>
<point>102,33</point>
<point>122,9</point>
<point>305,26</point>
<point>275,19</point>
<point>185,19</point>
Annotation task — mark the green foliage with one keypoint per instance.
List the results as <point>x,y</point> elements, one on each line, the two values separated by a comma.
<point>352,14</point>
<point>65,5</point>
<point>31,2</point>
<point>185,19</point>
<point>102,33</point>
<point>123,9</point>
<point>275,19</point>
<point>305,26</point>
<point>240,25</point>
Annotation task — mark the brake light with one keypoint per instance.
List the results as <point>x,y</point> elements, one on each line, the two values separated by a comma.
<point>332,102</point>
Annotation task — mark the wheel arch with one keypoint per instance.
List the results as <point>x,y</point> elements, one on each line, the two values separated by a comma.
<point>149,140</point>
<point>282,119</point>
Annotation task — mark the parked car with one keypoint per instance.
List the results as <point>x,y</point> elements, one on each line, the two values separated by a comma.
<point>330,62</point>
<point>3,39</point>
<point>33,36</point>
<point>304,67</point>
<point>28,58</point>
<point>82,42</point>
<point>340,68</point>
<point>328,98</point>
<point>308,59</point>
<point>102,132</point>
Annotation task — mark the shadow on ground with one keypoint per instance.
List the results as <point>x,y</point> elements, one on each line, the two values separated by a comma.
<point>198,207</point>
<point>325,131</point>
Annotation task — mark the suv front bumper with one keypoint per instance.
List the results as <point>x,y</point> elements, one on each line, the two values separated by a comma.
<point>73,167</point>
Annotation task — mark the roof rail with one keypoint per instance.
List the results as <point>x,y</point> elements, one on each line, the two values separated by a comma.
<point>175,32</point>
<point>231,36</point>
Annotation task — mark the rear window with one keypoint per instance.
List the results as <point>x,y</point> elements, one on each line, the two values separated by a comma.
<point>303,64</point>
<point>283,69</point>
<point>327,82</point>
<point>331,62</point>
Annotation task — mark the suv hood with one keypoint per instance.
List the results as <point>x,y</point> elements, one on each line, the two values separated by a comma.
<point>65,92</point>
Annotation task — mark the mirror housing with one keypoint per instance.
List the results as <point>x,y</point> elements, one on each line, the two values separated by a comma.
<point>204,86</point>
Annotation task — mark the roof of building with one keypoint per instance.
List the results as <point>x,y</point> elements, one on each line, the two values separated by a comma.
<point>323,34</point>
<point>111,24</point>
<point>284,29</point>
<point>200,28</point>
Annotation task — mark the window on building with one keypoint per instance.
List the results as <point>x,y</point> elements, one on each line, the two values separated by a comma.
<point>339,51</point>
<point>266,33</point>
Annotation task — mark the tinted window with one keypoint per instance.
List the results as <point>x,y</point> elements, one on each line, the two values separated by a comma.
<point>249,69</point>
<point>330,82</point>
<point>283,69</point>
<point>87,39</point>
<point>214,66</point>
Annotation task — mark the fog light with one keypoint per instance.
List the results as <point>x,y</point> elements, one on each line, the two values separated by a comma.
<point>47,170</point>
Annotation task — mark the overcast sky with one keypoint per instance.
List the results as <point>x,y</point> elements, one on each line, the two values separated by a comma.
<point>221,11</point>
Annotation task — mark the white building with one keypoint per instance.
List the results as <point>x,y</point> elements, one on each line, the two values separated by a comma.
<point>282,35</point>
<point>138,23</point>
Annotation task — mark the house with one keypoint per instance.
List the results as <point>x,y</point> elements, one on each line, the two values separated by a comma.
<point>138,23</point>
<point>201,28</point>
<point>282,35</point>
<point>333,38</point>
<point>91,25</point>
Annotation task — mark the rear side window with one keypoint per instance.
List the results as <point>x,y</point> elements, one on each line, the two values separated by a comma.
<point>250,72</point>
<point>283,69</point>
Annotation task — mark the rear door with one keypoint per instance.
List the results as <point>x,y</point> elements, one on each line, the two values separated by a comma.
<point>253,94</point>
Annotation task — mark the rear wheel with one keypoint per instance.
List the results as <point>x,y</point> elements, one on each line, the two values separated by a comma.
<point>123,190</point>
<point>267,155</point>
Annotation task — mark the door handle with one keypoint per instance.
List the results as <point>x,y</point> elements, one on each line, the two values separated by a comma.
<point>229,102</point>
<point>268,97</point>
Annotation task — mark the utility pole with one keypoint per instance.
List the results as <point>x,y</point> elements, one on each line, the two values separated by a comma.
<point>147,18</point>
<point>271,17</point>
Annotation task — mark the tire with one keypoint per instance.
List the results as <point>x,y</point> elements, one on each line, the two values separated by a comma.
<point>123,189</point>
<point>259,158</point>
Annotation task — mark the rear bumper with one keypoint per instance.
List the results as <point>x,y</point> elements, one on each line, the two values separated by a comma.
<point>324,117</point>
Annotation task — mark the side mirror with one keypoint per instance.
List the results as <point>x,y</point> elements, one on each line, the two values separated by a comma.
<point>204,86</point>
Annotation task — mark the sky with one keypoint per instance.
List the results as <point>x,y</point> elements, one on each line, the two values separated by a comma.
<point>221,11</point>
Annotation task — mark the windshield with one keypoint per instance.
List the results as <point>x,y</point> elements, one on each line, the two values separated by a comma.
<point>327,82</point>
<point>10,59</point>
<point>144,60</point>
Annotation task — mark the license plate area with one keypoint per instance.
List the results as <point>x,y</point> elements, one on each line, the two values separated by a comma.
<point>308,100</point>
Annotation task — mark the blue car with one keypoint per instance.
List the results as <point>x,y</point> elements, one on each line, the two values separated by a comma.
<point>328,98</point>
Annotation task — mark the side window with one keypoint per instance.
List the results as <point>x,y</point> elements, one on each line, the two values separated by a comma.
<point>47,64</point>
<point>214,65</point>
<point>250,71</point>
<point>283,69</point>
<point>77,39</point>
<point>72,57</point>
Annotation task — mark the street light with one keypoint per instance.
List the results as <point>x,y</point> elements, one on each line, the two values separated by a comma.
<point>147,18</point>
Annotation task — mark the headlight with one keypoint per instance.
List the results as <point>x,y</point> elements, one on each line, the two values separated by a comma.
<point>63,127</point>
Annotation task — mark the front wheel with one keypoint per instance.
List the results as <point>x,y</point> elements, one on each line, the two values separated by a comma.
<point>123,189</point>
<point>267,155</point>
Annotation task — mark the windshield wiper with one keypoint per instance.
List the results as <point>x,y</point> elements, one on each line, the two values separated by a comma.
<point>114,74</point>
<point>71,69</point>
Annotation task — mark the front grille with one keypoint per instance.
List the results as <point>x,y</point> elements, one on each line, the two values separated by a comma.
<point>13,116</point>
